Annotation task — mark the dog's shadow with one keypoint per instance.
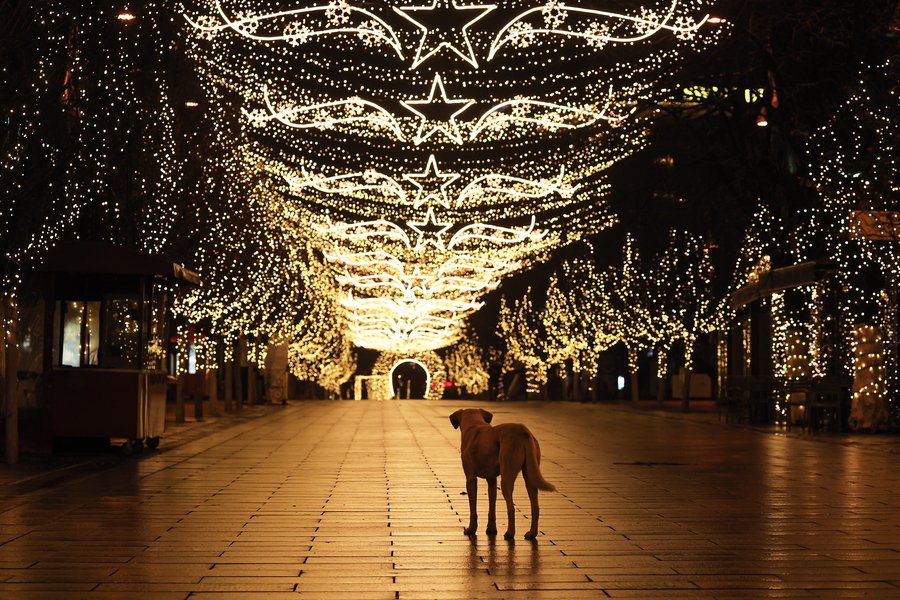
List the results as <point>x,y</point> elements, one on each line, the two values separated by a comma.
<point>505,557</point>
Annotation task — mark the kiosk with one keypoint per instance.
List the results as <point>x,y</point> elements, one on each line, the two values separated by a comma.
<point>105,370</point>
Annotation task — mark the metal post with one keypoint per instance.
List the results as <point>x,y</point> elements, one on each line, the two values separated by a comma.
<point>198,397</point>
<point>12,381</point>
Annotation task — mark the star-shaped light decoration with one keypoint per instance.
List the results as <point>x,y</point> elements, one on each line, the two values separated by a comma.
<point>417,284</point>
<point>431,184</point>
<point>429,230</point>
<point>444,24</point>
<point>440,112</point>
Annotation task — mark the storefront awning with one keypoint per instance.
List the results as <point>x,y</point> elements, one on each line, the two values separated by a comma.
<point>109,259</point>
<point>777,280</point>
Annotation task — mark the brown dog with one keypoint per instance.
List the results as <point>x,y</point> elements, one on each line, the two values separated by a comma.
<point>503,450</point>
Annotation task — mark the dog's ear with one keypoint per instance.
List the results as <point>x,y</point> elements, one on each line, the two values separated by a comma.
<point>487,416</point>
<point>454,419</point>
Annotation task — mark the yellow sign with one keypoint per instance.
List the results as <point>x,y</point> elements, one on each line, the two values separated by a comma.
<point>878,225</point>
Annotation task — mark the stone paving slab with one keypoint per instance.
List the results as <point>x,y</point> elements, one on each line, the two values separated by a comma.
<point>366,500</point>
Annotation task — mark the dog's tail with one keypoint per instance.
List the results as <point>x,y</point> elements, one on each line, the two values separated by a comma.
<point>533,465</point>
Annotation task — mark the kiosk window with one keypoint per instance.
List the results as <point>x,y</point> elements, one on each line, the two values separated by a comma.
<point>80,342</point>
<point>156,339</point>
<point>124,335</point>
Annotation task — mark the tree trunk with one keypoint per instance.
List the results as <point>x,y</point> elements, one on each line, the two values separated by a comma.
<point>686,381</point>
<point>229,385</point>
<point>686,389</point>
<point>251,384</point>
<point>238,374</point>
<point>869,409</point>
<point>633,373</point>
<point>661,371</point>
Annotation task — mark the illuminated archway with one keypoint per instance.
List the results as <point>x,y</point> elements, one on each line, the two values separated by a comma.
<point>431,362</point>
<point>390,376</point>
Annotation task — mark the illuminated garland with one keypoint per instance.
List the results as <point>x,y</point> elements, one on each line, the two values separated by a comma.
<point>422,184</point>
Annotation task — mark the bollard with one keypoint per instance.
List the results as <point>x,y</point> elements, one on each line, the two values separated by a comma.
<point>198,404</point>
<point>179,399</point>
<point>11,381</point>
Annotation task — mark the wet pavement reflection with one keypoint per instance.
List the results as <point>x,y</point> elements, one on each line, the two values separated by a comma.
<point>365,500</point>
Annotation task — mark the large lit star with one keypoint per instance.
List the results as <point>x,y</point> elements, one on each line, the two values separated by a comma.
<point>444,24</point>
<point>431,184</point>
<point>429,230</point>
<point>440,112</point>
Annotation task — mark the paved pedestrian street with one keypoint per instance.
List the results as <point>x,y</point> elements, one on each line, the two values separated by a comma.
<point>361,500</point>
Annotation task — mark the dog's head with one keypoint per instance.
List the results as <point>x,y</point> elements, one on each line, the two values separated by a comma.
<point>477,413</point>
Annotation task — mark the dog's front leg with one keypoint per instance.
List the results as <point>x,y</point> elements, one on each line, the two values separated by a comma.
<point>492,506</point>
<point>472,491</point>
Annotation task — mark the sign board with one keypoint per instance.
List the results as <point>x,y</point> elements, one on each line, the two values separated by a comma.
<point>877,225</point>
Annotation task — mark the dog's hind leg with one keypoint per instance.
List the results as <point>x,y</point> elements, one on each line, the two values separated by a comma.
<point>535,508</point>
<point>511,461</point>
<point>472,491</point>
<point>492,506</point>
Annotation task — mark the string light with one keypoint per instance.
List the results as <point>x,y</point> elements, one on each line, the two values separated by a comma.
<point>412,247</point>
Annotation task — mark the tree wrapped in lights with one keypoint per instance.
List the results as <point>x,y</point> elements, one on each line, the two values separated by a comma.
<point>760,242</point>
<point>465,365</point>
<point>857,178</point>
<point>869,408</point>
<point>33,214</point>
<point>125,164</point>
<point>578,317</point>
<point>561,319</point>
<point>683,304</point>
<point>635,326</point>
<point>89,142</point>
<point>519,326</point>
<point>319,350</point>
